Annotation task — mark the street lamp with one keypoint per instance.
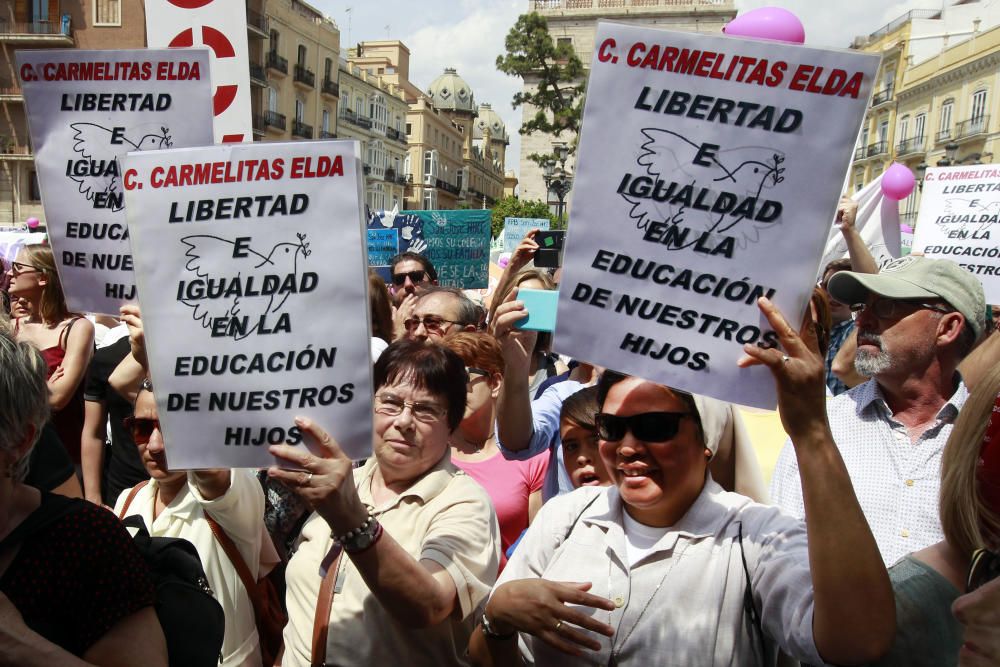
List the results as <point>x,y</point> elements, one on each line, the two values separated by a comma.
<point>950,153</point>
<point>921,171</point>
<point>557,178</point>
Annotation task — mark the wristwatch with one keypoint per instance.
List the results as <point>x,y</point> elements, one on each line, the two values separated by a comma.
<point>489,632</point>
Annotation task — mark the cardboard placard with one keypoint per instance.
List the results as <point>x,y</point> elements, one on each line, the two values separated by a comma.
<point>87,109</point>
<point>514,230</point>
<point>698,189</point>
<point>250,261</point>
<point>959,220</point>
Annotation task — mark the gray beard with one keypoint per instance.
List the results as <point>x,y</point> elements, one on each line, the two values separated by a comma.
<point>871,364</point>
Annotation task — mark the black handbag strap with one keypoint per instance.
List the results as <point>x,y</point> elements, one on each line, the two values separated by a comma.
<point>748,606</point>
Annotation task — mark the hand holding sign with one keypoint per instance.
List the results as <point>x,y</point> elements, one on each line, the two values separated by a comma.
<point>517,345</point>
<point>324,480</point>
<point>132,317</point>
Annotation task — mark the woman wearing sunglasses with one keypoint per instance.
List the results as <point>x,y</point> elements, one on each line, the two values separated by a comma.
<point>401,551</point>
<point>184,504</point>
<point>665,567</point>
<point>65,339</point>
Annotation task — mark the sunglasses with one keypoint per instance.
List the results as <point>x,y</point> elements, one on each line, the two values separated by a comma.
<point>888,309</point>
<point>141,428</point>
<point>432,323</point>
<point>646,426</point>
<point>399,279</point>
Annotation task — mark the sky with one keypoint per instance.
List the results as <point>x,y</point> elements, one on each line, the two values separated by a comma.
<point>469,35</point>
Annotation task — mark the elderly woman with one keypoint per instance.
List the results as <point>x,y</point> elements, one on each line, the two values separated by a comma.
<point>675,570</point>
<point>406,546</point>
<point>73,588</point>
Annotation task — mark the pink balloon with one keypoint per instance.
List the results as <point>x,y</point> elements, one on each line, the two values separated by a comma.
<point>33,223</point>
<point>770,23</point>
<point>897,181</point>
<point>503,260</point>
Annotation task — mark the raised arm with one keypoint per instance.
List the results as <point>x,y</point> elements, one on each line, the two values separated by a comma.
<point>515,423</point>
<point>861,257</point>
<point>79,350</point>
<point>854,609</point>
<point>128,375</point>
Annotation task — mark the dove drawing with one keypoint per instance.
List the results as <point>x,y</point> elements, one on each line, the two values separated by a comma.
<point>96,169</point>
<point>237,288</point>
<point>708,188</point>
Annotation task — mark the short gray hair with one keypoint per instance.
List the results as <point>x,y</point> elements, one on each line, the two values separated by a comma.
<point>468,311</point>
<point>24,396</point>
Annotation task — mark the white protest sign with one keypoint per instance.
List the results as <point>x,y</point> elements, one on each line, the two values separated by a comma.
<point>86,110</point>
<point>959,220</point>
<point>221,26</point>
<point>514,230</point>
<point>12,240</point>
<point>252,274</point>
<point>708,171</point>
<point>877,223</point>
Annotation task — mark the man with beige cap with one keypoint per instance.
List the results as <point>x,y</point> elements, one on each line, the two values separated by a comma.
<point>916,320</point>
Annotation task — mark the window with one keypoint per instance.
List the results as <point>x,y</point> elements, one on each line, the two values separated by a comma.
<point>107,12</point>
<point>326,120</point>
<point>34,192</point>
<point>328,70</point>
<point>430,166</point>
<point>864,137</point>
<point>301,60</point>
<point>272,100</point>
<point>300,110</point>
<point>918,126</point>
<point>409,129</point>
<point>904,128</point>
<point>407,169</point>
<point>883,132</point>
<point>359,106</point>
<point>944,127</point>
<point>430,199</point>
<point>274,41</point>
<point>978,112</point>
<point>564,41</point>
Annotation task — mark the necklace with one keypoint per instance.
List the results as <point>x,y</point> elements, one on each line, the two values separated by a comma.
<point>673,561</point>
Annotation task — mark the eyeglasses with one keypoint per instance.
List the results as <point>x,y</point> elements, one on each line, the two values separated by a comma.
<point>399,279</point>
<point>646,426</point>
<point>17,268</point>
<point>393,406</point>
<point>141,428</point>
<point>472,370</point>
<point>886,309</point>
<point>432,323</point>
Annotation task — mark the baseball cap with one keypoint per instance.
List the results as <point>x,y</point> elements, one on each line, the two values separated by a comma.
<point>916,277</point>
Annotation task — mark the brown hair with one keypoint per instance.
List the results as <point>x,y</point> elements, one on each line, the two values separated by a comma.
<point>581,408</point>
<point>480,350</point>
<point>378,297</point>
<point>53,309</point>
<point>968,522</point>
<point>823,321</point>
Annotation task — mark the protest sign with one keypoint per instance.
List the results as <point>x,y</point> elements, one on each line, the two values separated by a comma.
<point>514,230</point>
<point>220,26</point>
<point>250,262</point>
<point>959,220</point>
<point>877,223</point>
<point>707,174</point>
<point>456,242</point>
<point>13,239</point>
<point>86,109</point>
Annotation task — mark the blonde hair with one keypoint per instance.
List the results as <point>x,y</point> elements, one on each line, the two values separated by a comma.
<point>52,309</point>
<point>968,522</point>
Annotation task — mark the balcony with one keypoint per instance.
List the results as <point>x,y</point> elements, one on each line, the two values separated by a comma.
<point>259,124</point>
<point>258,77</point>
<point>971,128</point>
<point>331,88</point>
<point>257,23</point>
<point>50,33</point>
<point>276,62</point>
<point>367,169</point>
<point>943,136</point>
<point>878,148</point>
<point>448,187</point>
<point>323,134</point>
<point>859,153</point>
<point>275,120</point>
<point>305,76</point>
<point>300,129</point>
<point>912,146</point>
<point>395,135</point>
<point>11,150</point>
<point>11,93</point>
<point>354,119</point>
<point>881,97</point>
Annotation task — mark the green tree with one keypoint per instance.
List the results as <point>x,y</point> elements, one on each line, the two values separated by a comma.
<point>512,207</point>
<point>558,96</point>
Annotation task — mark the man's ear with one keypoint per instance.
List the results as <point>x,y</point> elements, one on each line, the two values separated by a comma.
<point>950,327</point>
<point>470,327</point>
<point>496,382</point>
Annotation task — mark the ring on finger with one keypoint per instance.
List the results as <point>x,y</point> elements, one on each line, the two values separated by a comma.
<point>785,358</point>
<point>308,479</point>
<point>558,625</point>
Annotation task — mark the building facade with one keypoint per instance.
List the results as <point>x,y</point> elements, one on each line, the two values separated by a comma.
<point>574,22</point>
<point>373,111</point>
<point>936,85</point>
<point>298,96</point>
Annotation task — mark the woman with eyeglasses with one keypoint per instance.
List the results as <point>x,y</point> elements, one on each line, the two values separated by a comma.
<point>515,487</point>
<point>65,339</point>
<point>665,567</point>
<point>402,551</point>
<point>74,589</point>
<point>186,504</point>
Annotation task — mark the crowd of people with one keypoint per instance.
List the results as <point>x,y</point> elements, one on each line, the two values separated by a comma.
<point>519,507</point>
